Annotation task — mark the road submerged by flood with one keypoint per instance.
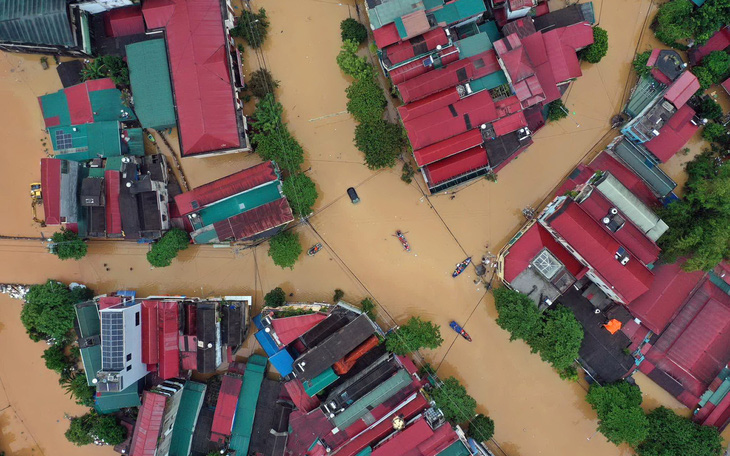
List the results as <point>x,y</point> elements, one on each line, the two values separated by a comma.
<point>535,412</point>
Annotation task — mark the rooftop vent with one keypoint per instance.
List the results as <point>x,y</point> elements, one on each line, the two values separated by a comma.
<point>622,256</point>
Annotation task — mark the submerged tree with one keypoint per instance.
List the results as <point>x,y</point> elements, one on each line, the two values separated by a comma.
<point>167,247</point>
<point>598,50</point>
<point>55,358</point>
<point>710,109</point>
<point>414,335</point>
<point>714,132</point>
<point>350,29</point>
<point>252,27</point>
<point>284,249</point>
<point>671,434</point>
<point>66,244</point>
<point>381,142</point>
<point>640,64</point>
<point>301,192</point>
<point>673,22</point>
<point>556,110</point>
<point>78,388</point>
<point>92,427</point>
<point>281,147</point>
<point>620,416</point>
<point>517,314</point>
<point>275,298</point>
<point>368,308</point>
<point>481,428</point>
<point>351,64</point>
<point>560,338</point>
<point>366,101</point>
<point>261,83</point>
<point>453,400</point>
<point>49,309</point>
<point>267,117</point>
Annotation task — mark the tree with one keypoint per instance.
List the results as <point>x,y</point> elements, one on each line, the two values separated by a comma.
<point>351,64</point>
<point>640,64</point>
<point>368,308</point>
<point>710,109</point>
<point>596,51</point>
<point>66,244</point>
<point>275,298</point>
<point>167,247</point>
<point>352,30</point>
<point>49,310</point>
<point>55,358</point>
<point>481,428</point>
<point>366,100</point>
<point>92,427</point>
<point>451,397</point>
<point>381,142</point>
<point>673,22</point>
<point>107,66</point>
<point>670,434</point>
<point>414,335</point>
<point>252,27</point>
<point>407,173</point>
<point>280,147</point>
<point>714,132</point>
<point>77,387</point>
<point>718,64</point>
<point>284,249</point>
<point>267,117</point>
<point>710,18</point>
<point>339,294</point>
<point>556,110</point>
<point>79,431</point>
<point>703,76</point>
<point>560,338</point>
<point>261,83</point>
<point>301,193</point>
<point>620,416</point>
<point>517,314</point>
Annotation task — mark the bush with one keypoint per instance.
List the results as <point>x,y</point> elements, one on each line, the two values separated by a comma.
<point>55,358</point>
<point>596,51</point>
<point>351,64</point>
<point>77,387</point>
<point>66,244</point>
<point>366,100</point>
<point>718,64</point>
<point>301,193</point>
<point>84,430</point>
<point>275,298</point>
<point>261,83</point>
<point>407,173</point>
<point>107,66</point>
<point>481,428</point>
<point>281,147</point>
<point>709,109</point>
<point>640,62</point>
<point>352,30</point>
<point>284,249</point>
<point>167,247</point>
<point>339,294</point>
<point>620,416</point>
<point>267,117</point>
<point>252,27</point>
<point>368,308</point>
<point>556,111</point>
<point>714,132</point>
<point>49,309</point>
<point>671,434</point>
<point>381,142</point>
<point>703,76</point>
<point>451,397</point>
<point>414,335</point>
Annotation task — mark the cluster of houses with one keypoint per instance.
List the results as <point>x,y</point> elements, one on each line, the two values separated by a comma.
<point>338,390</point>
<point>593,248</point>
<point>184,73</point>
<point>476,76</point>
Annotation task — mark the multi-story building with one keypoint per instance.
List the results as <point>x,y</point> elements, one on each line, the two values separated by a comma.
<point>121,346</point>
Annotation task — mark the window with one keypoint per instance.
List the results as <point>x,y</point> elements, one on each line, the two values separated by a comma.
<point>547,264</point>
<point>129,368</point>
<point>129,357</point>
<point>136,319</point>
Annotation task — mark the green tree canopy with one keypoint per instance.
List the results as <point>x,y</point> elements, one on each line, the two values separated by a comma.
<point>368,308</point>
<point>88,428</point>
<point>673,22</point>
<point>68,245</point>
<point>451,397</point>
<point>338,295</point>
<point>710,109</point>
<point>107,66</point>
<point>79,431</point>
<point>252,27</point>
<point>281,147</point>
<point>556,110</point>
<point>167,247</point>
<point>714,132</point>
<point>75,385</point>
<point>351,64</point>
<point>55,358</point>
<point>560,338</point>
<point>517,314</point>
<point>718,64</point>
<point>481,428</point>
<point>267,117</point>
<point>49,309</point>
<point>670,434</point>
<point>366,100</point>
<point>620,416</point>
<point>703,76</point>
<point>301,192</point>
<point>381,142</point>
<point>352,30</point>
<point>598,50</point>
<point>284,249</point>
<point>414,335</point>
<point>275,298</point>
<point>640,62</point>
<point>261,83</point>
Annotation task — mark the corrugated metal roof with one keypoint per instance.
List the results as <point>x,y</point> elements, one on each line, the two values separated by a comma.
<point>51,188</point>
<point>458,10</point>
<point>473,45</point>
<point>282,362</point>
<point>111,401</point>
<point>299,397</point>
<point>246,408</point>
<point>36,22</point>
<point>638,159</point>
<point>91,359</point>
<point>149,77</point>
<point>124,21</point>
<point>456,165</point>
<point>149,422</point>
<point>320,382</point>
<point>682,89</point>
<point>448,147</point>
<point>92,101</point>
<point>372,399</point>
<point>87,316</point>
<point>385,36</point>
<point>191,402</point>
<point>387,12</point>
<point>87,141</point>
<point>113,210</point>
<point>416,46</point>
<point>255,221</point>
<point>225,409</point>
<point>290,328</point>
<point>673,135</point>
<point>169,349</point>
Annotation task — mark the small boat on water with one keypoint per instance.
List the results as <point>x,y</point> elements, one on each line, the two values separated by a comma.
<point>314,249</point>
<point>403,240</point>
<point>461,266</point>
<point>455,326</point>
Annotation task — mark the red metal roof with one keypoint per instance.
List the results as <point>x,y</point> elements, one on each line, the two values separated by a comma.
<point>225,409</point>
<point>459,72</point>
<point>515,5</point>
<point>234,184</point>
<point>386,35</point>
<point>306,428</point>
<point>426,105</point>
<point>51,190</point>
<point>255,221</point>
<point>598,248</point>
<point>718,42</point>
<point>674,134</point>
<point>418,439</point>
<point>108,301</point>
<point>113,210</point>
<point>401,52</point>
<point>537,52</point>
<point>197,50</point>
<point>561,45</point>
<point>169,350</point>
<point>417,67</point>
<point>509,124</point>
<point>124,21</point>
<point>290,328</point>
<point>301,399</point>
<point>682,89</point>
<point>456,165</point>
<point>449,121</point>
<point>726,85</point>
<point>448,147</point>
<point>720,416</point>
<point>658,306</point>
<point>149,422</point>
<point>631,237</point>
<point>150,335</point>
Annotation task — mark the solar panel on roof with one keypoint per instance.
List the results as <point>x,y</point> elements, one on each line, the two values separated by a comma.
<point>63,140</point>
<point>112,341</point>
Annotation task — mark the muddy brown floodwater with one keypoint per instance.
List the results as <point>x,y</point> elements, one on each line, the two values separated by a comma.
<point>535,412</point>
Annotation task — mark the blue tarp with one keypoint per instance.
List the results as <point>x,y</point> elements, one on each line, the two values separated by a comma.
<point>282,362</point>
<point>267,343</point>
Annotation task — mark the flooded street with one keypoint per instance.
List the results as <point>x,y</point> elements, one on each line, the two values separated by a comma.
<point>535,412</point>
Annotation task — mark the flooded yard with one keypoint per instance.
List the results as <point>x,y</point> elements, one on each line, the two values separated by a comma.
<point>535,412</point>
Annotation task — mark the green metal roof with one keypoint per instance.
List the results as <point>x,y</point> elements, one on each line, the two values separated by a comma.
<point>401,27</point>
<point>647,90</point>
<point>387,12</point>
<point>320,382</point>
<point>489,81</point>
<point>455,449</point>
<point>84,142</point>
<point>459,10</point>
<point>91,359</point>
<point>246,407</point>
<point>136,141</point>
<point>637,158</point>
<point>240,203</point>
<point>377,396</point>
<point>106,105</point>
<point>367,451</point>
<point>87,315</point>
<point>492,31</point>
<point>473,45</point>
<point>191,402</point>
<point>113,163</point>
<point>431,4</point>
<point>149,76</point>
<point>35,22</point>
<point>110,402</point>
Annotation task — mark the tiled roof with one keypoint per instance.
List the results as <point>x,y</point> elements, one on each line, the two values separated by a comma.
<point>255,221</point>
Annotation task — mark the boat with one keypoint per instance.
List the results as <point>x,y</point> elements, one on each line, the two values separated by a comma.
<point>314,249</point>
<point>455,326</point>
<point>403,240</point>
<point>461,266</point>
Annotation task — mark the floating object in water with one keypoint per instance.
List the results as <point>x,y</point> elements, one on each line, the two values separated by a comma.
<point>455,326</point>
<point>403,240</point>
<point>314,249</point>
<point>461,266</point>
